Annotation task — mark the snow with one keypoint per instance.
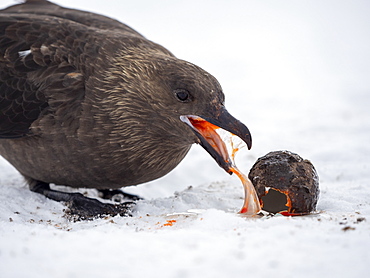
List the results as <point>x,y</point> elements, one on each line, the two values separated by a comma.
<point>297,74</point>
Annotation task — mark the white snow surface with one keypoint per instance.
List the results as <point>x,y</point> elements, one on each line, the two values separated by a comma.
<point>297,73</point>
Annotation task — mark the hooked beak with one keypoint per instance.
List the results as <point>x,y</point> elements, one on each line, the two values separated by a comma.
<point>205,129</point>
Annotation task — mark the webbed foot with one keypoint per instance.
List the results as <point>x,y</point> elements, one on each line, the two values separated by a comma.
<point>81,207</point>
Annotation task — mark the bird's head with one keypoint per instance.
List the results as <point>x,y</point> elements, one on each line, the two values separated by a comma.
<point>196,99</point>
<point>182,103</point>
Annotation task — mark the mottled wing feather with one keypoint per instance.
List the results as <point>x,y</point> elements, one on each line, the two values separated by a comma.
<point>42,69</point>
<point>42,7</point>
<point>17,111</point>
<point>46,54</point>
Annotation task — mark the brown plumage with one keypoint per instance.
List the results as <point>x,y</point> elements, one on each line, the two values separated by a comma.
<point>86,101</point>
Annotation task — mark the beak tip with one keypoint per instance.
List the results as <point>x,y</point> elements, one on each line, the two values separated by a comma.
<point>248,140</point>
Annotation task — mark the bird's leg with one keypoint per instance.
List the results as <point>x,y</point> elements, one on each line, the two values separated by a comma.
<point>117,195</point>
<point>79,206</point>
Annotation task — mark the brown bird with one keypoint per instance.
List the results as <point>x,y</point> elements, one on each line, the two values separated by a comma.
<point>86,101</point>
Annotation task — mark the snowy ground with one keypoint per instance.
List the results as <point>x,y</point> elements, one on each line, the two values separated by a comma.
<point>297,74</point>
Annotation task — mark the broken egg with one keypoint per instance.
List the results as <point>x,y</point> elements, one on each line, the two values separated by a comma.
<point>285,183</point>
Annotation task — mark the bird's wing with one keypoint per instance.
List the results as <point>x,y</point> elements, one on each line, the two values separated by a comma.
<point>43,7</point>
<point>44,62</point>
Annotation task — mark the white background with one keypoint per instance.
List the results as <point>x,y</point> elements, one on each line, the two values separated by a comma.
<point>297,73</point>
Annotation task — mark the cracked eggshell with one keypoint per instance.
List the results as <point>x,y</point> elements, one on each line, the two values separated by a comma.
<point>285,183</point>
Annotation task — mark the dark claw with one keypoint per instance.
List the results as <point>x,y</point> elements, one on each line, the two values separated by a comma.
<point>117,195</point>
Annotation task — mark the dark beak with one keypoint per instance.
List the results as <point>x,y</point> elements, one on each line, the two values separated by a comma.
<point>205,129</point>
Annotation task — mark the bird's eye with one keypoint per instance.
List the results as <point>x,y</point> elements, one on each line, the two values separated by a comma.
<point>183,95</point>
